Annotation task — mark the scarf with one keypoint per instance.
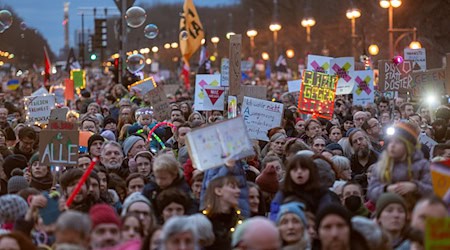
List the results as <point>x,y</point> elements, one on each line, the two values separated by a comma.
<point>42,184</point>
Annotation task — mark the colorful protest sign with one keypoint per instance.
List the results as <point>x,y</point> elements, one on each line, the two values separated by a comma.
<point>440,177</point>
<point>260,116</point>
<point>418,57</point>
<point>431,82</point>
<point>58,147</point>
<point>201,80</point>
<point>342,67</point>
<point>78,77</point>
<point>317,94</point>
<point>294,85</point>
<point>437,233</point>
<point>363,92</point>
<point>38,108</point>
<point>160,104</point>
<point>235,64</point>
<point>143,86</point>
<point>214,98</point>
<point>69,91</point>
<point>319,64</point>
<point>232,106</point>
<point>212,146</point>
<point>225,72</point>
<point>395,77</point>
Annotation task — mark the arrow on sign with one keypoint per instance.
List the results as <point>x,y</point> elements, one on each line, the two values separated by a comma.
<point>214,94</point>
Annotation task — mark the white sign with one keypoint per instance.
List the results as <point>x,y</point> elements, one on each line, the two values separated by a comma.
<point>260,116</point>
<point>214,98</point>
<point>202,80</point>
<point>143,86</point>
<point>40,92</point>
<point>364,92</point>
<point>418,56</point>
<point>246,66</point>
<point>213,145</point>
<point>342,67</point>
<point>294,85</point>
<point>38,108</point>
<point>225,72</point>
<point>319,64</point>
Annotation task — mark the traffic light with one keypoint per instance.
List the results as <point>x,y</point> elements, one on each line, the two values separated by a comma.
<point>93,57</point>
<point>101,32</point>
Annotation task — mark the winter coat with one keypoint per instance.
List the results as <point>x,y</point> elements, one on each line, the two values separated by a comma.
<point>420,168</point>
<point>152,190</point>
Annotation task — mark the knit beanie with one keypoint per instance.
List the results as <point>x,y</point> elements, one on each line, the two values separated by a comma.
<point>407,132</point>
<point>34,157</point>
<point>334,209</point>
<point>334,146</point>
<point>277,136</point>
<point>108,120</point>
<point>17,183</point>
<point>129,142</point>
<point>326,174</point>
<point>132,198</point>
<point>93,138</point>
<point>103,214</point>
<point>386,199</point>
<point>12,207</point>
<point>268,180</point>
<point>293,207</point>
<point>109,135</point>
<point>14,161</point>
<point>134,129</point>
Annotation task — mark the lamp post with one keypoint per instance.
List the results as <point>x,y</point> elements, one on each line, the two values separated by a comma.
<point>230,26</point>
<point>215,40</point>
<point>308,22</point>
<point>390,5</point>
<point>275,26</point>
<point>252,33</point>
<point>352,14</point>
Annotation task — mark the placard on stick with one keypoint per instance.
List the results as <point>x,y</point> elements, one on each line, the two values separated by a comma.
<point>212,146</point>
<point>363,92</point>
<point>235,64</point>
<point>395,77</point>
<point>38,108</point>
<point>202,80</point>
<point>58,147</point>
<point>160,104</point>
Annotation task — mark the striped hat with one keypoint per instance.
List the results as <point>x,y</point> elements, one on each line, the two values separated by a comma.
<point>407,132</point>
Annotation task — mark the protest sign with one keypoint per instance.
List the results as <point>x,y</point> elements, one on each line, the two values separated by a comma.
<point>58,92</point>
<point>69,91</point>
<point>40,91</point>
<point>232,106</point>
<point>235,64</point>
<point>317,94</point>
<point>78,77</point>
<point>58,147</point>
<point>342,67</point>
<point>319,64</point>
<point>160,104</point>
<point>437,233</point>
<point>214,98</point>
<point>61,124</point>
<point>294,85</point>
<point>201,80</point>
<point>260,116</point>
<point>440,177</point>
<point>363,92</point>
<point>38,108</point>
<point>213,145</point>
<point>59,113</point>
<point>395,77</point>
<point>431,82</point>
<point>418,58</point>
<point>225,72</point>
<point>255,91</point>
<point>143,86</point>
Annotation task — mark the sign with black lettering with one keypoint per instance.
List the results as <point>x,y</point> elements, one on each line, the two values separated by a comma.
<point>395,77</point>
<point>38,108</point>
<point>160,104</point>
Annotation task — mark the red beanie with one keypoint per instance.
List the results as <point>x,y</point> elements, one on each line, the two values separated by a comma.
<point>103,214</point>
<point>267,180</point>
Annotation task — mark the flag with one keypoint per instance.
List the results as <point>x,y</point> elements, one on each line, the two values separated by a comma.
<point>185,73</point>
<point>191,31</point>
<point>72,62</point>
<point>268,70</point>
<point>204,62</point>
<point>281,64</point>
<point>47,67</point>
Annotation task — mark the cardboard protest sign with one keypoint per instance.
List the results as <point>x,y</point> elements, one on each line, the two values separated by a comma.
<point>143,86</point>
<point>417,56</point>
<point>214,98</point>
<point>317,94</point>
<point>235,64</point>
<point>213,145</point>
<point>78,76</point>
<point>255,91</point>
<point>363,92</point>
<point>160,104</point>
<point>225,72</point>
<point>437,233</point>
<point>319,64</point>
<point>201,80</point>
<point>428,82</point>
<point>294,85</point>
<point>342,67</point>
<point>395,77</point>
<point>58,147</point>
<point>38,108</point>
<point>260,116</point>
<point>440,177</point>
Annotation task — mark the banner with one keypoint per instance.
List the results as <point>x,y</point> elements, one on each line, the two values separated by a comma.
<point>342,67</point>
<point>200,82</point>
<point>160,104</point>
<point>431,82</point>
<point>417,56</point>
<point>395,77</point>
<point>260,116</point>
<point>317,94</point>
<point>58,147</point>
<point>440,177</point>
<point>225,72</point>
<point>212,146</point>
<point>191,31</point>
<point>143,86</point>
<point>214,98</point>
<point>437,233</point>
<point>363,92</point>
<point>38,108</point>
<point>319,64</point>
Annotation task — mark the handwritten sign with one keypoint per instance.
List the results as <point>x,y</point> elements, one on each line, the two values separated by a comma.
<point>260,116</point>
<point>38,108</point>
<point>428,82</point>
<point>437,233</point>
<point>317,94</point>
<point>212,146</point>
<point>395,77</point>
<point>202,80</point>
<point>440,177</point>
<point>417,56</point>
<point>160,104</point>
<point>342,67</point>
<point>214,98</point>
<point>143,86</point>
<point>364,92</point>
<point>320,64</point>
<point>235,64</point>
<point>225,72</point>
<point>58,147</point>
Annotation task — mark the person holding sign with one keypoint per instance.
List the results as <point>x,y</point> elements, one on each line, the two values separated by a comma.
<point>41,176</point>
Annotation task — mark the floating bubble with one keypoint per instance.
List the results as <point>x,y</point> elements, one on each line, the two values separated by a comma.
<point>23,26</point>
<point>135,63</point>
<point>184,35</point>
<point>2,28</point>
<point>151,31</point>
<point>135,16</point>
<point>6,19</point>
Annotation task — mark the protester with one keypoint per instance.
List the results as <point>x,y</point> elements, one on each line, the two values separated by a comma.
<point>105,227</point>
<point>256,233</point>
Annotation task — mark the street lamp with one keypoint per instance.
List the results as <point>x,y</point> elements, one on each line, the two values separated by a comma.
<point>390,5</point>
<point>415,45</point>
<point>265,56</point>
<point>230,26</point>
<point>308,22</point>
<point>373,50</point>
<point>251,32</point>
<point>275,26</point>
<point>215,40</point>
<point>352,14</point>
<point>290,53</point>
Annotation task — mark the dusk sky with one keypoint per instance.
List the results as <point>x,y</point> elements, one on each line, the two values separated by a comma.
<point>47,15</point>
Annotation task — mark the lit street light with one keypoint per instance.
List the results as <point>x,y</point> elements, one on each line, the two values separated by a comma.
<point>275,26</point>
<point>215,40</point>
<point>373,50</point>
<point>352,14</point>
<point>390,5</point>
<point>308,22</point>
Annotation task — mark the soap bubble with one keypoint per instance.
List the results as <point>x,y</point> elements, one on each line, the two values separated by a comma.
<point>184,35</point>
<point>151,31</point>
<point>6,18</point>
<point>23,26</point>
<point>135,16</point>
<point>135,63</point>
